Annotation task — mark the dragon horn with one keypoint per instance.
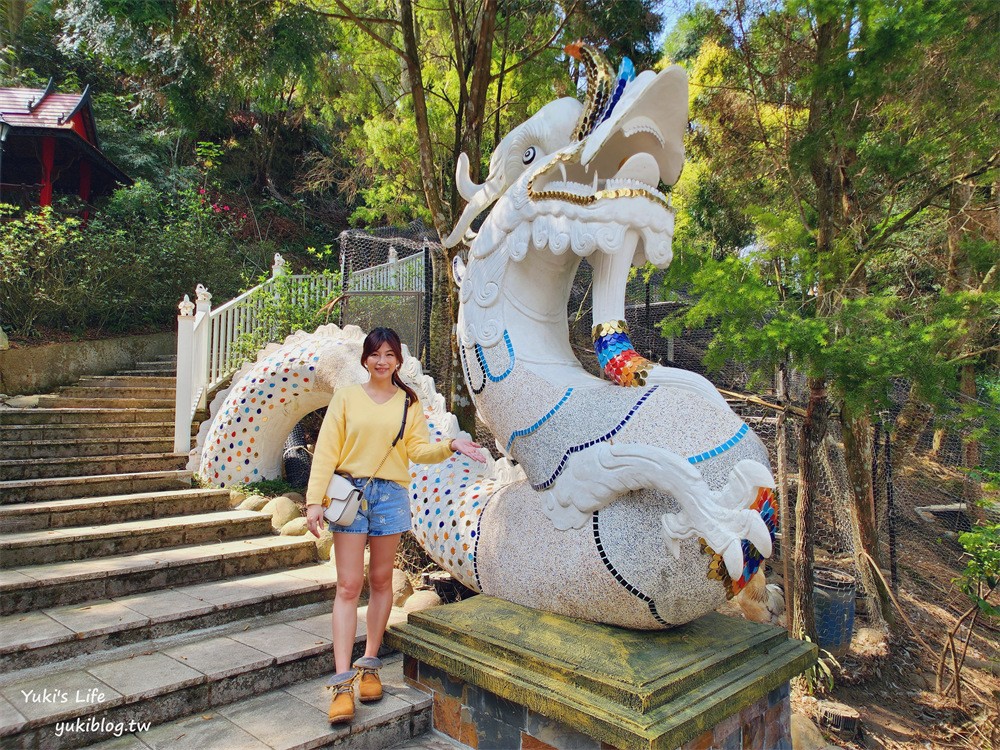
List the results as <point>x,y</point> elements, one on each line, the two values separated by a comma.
<point>463,181</point>
<point>601,81</point>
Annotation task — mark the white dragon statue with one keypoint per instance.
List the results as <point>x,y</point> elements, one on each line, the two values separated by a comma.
<point>640,500</point>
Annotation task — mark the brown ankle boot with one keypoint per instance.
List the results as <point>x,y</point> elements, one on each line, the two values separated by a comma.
<point>342,705</point>
<point>370,688</point>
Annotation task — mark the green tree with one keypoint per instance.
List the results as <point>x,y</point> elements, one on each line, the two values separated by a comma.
<point>850,151</point>
<point>435,77</point>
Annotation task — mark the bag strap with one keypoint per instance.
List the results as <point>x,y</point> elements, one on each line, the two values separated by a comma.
<point>399,435</point>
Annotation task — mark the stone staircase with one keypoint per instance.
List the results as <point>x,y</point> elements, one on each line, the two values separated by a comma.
<point>137,611</point>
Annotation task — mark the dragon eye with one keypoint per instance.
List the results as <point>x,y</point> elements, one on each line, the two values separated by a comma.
<point>529,155</point>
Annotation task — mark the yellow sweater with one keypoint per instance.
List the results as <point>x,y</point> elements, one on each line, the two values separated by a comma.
<point>357,432</point>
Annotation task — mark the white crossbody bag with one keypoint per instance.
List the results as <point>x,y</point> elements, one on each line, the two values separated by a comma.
<point>342,498</point>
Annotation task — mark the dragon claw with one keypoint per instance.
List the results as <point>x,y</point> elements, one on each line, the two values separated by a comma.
<point>758,534</point>
<point>732,555</point>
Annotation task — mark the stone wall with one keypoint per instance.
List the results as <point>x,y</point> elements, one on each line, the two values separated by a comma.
<point>476,717</point>
<point>42,369</point>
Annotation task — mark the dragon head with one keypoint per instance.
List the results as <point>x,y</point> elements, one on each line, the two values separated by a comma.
<point>588,177</point>
<point>528,144</point>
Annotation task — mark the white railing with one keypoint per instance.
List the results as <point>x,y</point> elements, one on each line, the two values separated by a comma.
<point>213,344</point>
<point>406,275</point>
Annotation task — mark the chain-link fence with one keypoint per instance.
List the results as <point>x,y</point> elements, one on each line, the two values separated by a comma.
<point>387,282</point>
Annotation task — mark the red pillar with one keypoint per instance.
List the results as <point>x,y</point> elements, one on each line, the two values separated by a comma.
<point>48,158</point>
<point>85,186</point>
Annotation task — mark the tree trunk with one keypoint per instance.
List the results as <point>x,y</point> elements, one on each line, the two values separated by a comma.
<point>784,501</point>
<point>913,419</point>
<point>802,619</point>
<point>937,444</point>
<point>858,450</point>
<point>971,455</point>
<point>442,315</point>
<point>479,84</point>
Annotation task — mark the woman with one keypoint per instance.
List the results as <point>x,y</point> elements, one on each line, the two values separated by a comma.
<point>360,425</point>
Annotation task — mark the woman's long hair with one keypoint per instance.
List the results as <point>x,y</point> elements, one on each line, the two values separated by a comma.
<point>373,341</point>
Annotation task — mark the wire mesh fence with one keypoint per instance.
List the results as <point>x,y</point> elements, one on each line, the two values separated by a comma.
<point>387,282</point>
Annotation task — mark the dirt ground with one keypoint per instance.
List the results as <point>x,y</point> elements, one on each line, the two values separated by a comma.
<point>891,682</point>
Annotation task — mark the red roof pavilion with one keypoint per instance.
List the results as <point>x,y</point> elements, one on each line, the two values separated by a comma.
<point>48,142</point>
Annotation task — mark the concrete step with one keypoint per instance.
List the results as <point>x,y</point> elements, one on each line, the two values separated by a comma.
<point>80,543</point>
<point>127,381</point>
<point>58,488</point>
<point>403,714</point>
<point>90,511</point>
<point>34,639</point>
<point>159,365</point>
<point>43,468</point>
<point>152,372</point>
<point>106,431</point>
<point>110,445</point>
<point>146,392</point>
<point>32,587</point>
<point>53,401</point>
<point>90,415</point>
<point>186,676</point>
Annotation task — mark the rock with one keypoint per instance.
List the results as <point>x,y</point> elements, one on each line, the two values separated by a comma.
<point>295,527</point>
<point>324,545</point>
<point>4,341</point>
<point>236,498</point>
<point>254,502</point>
<point>401,587</point>
<point>423,599</point>
<point>806,735</point>
<point>282,511</point>
<point>295,497</point>
<point>23,402</point>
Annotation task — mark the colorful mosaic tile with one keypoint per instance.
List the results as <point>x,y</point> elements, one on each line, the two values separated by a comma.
<point>766,505</point>
<point>618,358</point>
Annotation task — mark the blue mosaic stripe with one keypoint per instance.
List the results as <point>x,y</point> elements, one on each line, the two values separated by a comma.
<point>620,578</point>
<point>528,430</point>
<point>720,449</point>
<point>583,446</point>
<point>486,367</point>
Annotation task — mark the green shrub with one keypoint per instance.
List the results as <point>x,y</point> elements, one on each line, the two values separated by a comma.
<point>129,267</point>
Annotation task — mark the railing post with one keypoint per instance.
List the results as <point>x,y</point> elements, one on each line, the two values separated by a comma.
<point>278,267</point>
<point>202,328</point>
<point>278,270</point>
<point>393,268</point>
<point>184,393</point>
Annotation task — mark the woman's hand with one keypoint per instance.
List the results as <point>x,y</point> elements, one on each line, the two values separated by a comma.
<point>468,448</point>
<point>314,517</point>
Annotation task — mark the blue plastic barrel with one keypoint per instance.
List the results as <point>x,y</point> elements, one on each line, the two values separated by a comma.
<point>833,606</point>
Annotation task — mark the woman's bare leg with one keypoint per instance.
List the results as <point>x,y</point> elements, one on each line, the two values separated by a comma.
<point>349,554</point>
<point>380,565</point>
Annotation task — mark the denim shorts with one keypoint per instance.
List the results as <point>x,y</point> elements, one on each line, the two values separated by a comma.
<point>384,511</point>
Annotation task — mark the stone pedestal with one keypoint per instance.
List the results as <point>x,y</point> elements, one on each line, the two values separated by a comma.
<point>503,676</point>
